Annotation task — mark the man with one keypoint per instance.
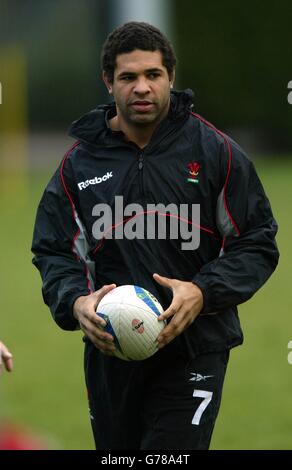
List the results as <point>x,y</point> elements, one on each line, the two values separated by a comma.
<point>148,147</point>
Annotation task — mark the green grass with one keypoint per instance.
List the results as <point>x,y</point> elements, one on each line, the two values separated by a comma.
<point>255,412</point>
<point>46,389</point>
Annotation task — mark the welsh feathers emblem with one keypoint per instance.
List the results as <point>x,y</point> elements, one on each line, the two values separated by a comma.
<point>194,168</point>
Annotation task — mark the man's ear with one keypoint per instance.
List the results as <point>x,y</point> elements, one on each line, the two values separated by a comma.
<point>107,83</point>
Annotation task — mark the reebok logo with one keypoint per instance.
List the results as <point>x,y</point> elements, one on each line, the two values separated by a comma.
<point>199,377</point>
<point>96,180</point>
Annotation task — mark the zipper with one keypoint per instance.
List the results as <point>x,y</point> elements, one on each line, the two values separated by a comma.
<point>140,169</point>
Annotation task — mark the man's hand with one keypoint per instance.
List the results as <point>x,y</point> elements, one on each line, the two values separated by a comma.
<point>186,305</point>
<point>84,310</point>
<point>6,358</point>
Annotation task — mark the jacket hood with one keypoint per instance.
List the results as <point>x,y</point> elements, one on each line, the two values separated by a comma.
<point>92,127</point>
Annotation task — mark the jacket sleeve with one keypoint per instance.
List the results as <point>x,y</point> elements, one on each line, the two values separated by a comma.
<point>244,218</point>
<point>64,274</point>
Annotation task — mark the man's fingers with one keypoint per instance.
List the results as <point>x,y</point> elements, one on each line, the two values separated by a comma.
<point>98,320</point>
<point>104,290</point>
<point>168,335</point>
<point>102,341</point>
<point>103,336</point>
<point>105,347</point>
<point>6,358</point>
<point>173,329</point>
<point>8,363</point>
<point>170,311</point>
<point>95,331</point>
<point>163,281</point>
<point>99,295</point>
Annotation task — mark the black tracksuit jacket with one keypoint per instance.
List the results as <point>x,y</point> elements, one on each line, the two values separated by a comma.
<point>237,251</point>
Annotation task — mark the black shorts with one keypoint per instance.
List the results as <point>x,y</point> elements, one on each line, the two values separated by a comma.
<point>166,402</point>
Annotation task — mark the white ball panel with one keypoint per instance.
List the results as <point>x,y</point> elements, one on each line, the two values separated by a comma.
<point>133,320</point>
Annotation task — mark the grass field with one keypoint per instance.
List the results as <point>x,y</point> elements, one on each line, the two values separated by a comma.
<point>46,390</point>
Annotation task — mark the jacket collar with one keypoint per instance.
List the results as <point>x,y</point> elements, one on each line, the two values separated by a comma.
<point>93,127</point>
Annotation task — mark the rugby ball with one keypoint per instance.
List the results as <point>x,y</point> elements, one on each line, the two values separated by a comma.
<point>131,314</point>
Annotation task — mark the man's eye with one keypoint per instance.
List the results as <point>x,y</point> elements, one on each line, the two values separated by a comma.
<point>153,75</point>
<point>127,78</point>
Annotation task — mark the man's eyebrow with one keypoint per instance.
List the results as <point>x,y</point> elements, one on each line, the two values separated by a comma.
<point>125,72</point>
<point>155,69</point>
<point>152,70</point>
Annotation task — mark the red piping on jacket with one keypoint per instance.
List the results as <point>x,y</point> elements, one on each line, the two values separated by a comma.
<point>73,209</point>
<point>151,212</point>
<point>229,167</point>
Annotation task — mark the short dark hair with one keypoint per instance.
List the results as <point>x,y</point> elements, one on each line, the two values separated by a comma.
<point>136,35</point>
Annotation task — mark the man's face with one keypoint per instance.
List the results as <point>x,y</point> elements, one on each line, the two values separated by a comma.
<point>141,87</point>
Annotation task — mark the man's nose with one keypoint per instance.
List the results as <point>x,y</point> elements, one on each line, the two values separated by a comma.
<point>141,86</point>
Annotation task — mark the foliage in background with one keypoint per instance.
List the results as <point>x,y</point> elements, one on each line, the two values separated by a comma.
<point>236,57</point>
